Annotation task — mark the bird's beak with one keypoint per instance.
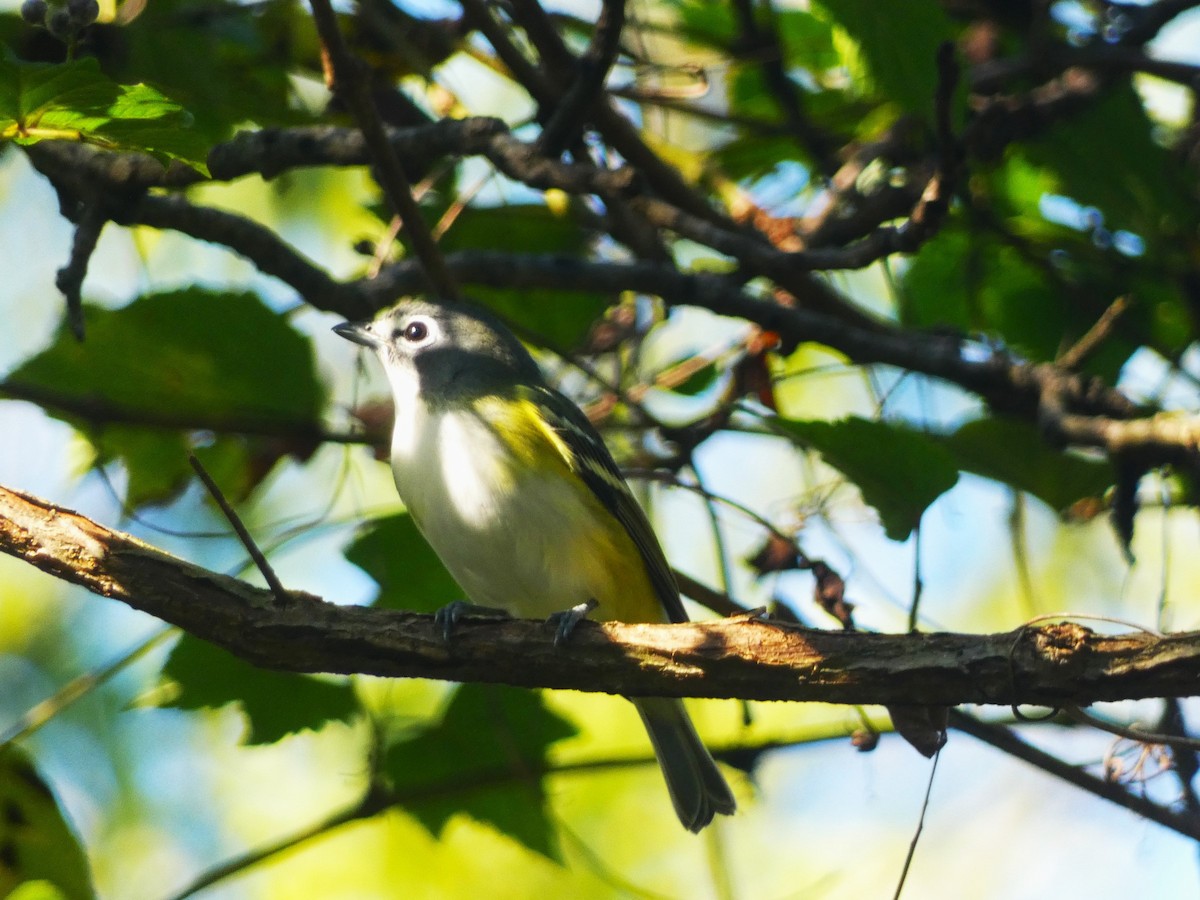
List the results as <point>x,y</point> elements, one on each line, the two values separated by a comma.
<point>357,332</point>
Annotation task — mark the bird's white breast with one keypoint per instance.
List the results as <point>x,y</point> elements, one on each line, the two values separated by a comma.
<point>513,539</point>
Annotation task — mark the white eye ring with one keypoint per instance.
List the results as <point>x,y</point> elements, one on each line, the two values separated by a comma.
<point>418,330</point>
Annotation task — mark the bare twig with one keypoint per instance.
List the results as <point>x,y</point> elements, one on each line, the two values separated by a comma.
<point>78,687</point>
<point>1103,58</point>
<point>257,243</point>
<point>1130,732</point>
<point>912,844</point>
<point>70,277</point>
<point>345,78</point>
<point>282,597</point>
<point>1008,741</point>
<point>94,410</point>
<point>364,808</point>
<point>593,69</point>
<point>1077,354</point>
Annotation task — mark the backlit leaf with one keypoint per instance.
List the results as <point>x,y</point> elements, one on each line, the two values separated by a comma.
<point>37,843</point>
<point>899,470</point>
<point>76,101</point>
<point>1011,451</point>
<point>410,575</point>
<point>276,704</point>
<point>485,759</point>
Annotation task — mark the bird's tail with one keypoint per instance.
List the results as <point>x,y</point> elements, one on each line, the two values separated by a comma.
<point>698,789</point>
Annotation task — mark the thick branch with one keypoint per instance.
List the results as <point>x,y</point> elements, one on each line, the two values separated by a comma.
<point>741,657</point>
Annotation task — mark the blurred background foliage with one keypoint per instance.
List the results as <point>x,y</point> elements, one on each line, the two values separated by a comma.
<point>162,764</point>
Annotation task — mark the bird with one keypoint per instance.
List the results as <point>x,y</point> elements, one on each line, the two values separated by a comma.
<point>518,495</point>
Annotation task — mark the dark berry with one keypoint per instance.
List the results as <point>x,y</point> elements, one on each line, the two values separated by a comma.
<point>34,12</point>
<point>60,24</point>
<point>83,12</point>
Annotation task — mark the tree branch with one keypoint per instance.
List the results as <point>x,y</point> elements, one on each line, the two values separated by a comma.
<point>742,657</point>
<point>346,78</point>
<point>593,67</point>
<point>760,41</point>
<point>1073,410</point>
<point>1006,740</point>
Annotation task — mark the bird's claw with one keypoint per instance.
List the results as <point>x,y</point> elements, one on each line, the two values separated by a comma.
<point>447,618</point>
<point>564,622</point>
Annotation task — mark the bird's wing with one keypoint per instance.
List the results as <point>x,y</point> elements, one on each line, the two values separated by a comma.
<point>595,465</point>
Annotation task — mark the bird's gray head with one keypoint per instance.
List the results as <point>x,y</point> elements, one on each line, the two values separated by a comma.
<point>444,349</point>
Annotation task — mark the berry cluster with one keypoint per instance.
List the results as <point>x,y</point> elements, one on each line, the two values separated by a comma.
<point>63,20</point>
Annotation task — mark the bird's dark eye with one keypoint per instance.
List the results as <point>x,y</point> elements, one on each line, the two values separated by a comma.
<point>416,331</point>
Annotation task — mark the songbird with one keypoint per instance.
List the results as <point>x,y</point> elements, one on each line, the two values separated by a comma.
<point>516,492</point>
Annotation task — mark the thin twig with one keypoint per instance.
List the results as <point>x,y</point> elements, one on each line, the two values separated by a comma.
<point>41,713</point>
<point>593,68</point>
<point>264,248</point>
<point>344,76</point>
<point>918,581</point>
<point>70,277</point>
<point>1131,733</point>
<point>1187,763</point>
<point>363,809</point>
<point>721,604</point>
<point>912,845</point>
<point>99,411</point>
<point>1009,742</point>
<point>1077,354</point>
<point>282,597</point>
<point>720,546</point>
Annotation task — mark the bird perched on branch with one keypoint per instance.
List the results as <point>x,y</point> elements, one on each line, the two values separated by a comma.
<point>518,495</point>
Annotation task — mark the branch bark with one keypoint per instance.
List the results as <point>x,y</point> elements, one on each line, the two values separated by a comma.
<point>743,657</point>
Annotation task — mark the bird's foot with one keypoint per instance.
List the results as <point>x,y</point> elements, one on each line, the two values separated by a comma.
<point>448,617</point>
<point>564,622</point>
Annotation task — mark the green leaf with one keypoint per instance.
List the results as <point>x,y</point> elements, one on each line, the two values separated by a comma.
<point>191,358</point>
<point>176,362</point>
<point>155,459</point>
<point>1012,452</point>
<point>409,573</point>
<point>158,468</point>
<point>275,703</point>
<point>899,470</point>
<point>520,227</point>
<point>76,101</point>
<point>1134,182</point>
<point>557,318</point>
<point>972,283</point>
<point>485,759</point>
<point>898,46</point>
<point>37,843</point>
<point>240,59</point>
